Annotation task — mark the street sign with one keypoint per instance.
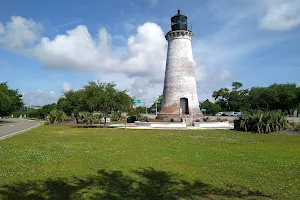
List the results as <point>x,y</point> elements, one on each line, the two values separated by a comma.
<point>203,110</point>
<point>136,101</point>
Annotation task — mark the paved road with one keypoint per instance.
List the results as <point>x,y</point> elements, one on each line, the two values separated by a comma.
<point>15,126</point>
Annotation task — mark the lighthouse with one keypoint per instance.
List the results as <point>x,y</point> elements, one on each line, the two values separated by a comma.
<point>180,98</point>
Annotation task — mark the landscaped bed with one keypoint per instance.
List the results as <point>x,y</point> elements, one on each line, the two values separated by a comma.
<point>55,162</point>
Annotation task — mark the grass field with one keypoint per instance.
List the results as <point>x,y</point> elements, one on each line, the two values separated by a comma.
<point>53,162</point>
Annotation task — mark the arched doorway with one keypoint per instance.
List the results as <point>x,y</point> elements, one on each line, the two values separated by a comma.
<point>184,106</point>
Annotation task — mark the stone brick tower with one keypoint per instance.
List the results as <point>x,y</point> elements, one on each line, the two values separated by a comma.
<point>180,99</point>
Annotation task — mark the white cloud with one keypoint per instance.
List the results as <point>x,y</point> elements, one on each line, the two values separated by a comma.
<point>1,28</point>
<point>39,98</point>
<point>71,23</point>
<point>19,34</point>
<point>281,14</point>
<point>154,2</point>
<point>77,50</point>
<point>66,87</point>
<point>146,51</point>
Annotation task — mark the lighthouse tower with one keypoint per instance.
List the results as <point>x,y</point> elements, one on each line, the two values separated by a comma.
<point>180,99</point>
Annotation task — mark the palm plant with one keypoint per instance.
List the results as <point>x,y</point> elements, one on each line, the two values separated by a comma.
<point>55,116</point>
<point>259,121</point>
<point>85,116</point>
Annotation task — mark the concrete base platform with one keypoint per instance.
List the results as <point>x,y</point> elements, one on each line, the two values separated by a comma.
<point>161,124</point>
<point>170,116</point>
<point>182,125</point>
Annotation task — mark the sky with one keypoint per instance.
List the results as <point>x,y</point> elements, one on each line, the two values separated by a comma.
<point>50,47</point>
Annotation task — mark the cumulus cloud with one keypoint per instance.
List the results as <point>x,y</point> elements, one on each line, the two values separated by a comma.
<point>77,50</point>
<point>281,14</point>
<point>146,51</point>
<point>66,87</point>
<point>20,34</point>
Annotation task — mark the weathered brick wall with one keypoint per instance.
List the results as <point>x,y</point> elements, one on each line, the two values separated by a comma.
<point>180,79</point>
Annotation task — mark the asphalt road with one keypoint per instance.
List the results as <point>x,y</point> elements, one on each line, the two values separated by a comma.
<point>15,126</point>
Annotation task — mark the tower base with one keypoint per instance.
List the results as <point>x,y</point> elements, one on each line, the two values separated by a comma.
<point>179,116</point>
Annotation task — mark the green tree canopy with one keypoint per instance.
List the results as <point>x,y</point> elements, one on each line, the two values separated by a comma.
<point>10,100</point>
<point>234,99</point>
<point>211,108</point>
<point>95,96</point>
<point>105,98</point>
<point>283,97</point>
<point>159,103</point>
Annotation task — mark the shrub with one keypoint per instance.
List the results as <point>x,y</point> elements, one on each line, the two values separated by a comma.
<point>86,117</point>
<point>135,114</point>
<point>55,116</point>
<point>261,121</point>
<point>97,116</point>
<point>115,116</point>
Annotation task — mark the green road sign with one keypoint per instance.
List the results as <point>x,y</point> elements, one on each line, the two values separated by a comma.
<point>203,110</point>
<point>136,101</point>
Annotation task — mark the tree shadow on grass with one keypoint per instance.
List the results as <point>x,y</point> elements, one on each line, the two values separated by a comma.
<point>144,184</point>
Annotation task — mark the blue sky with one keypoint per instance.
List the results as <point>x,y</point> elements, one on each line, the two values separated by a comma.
<point>47,47</point>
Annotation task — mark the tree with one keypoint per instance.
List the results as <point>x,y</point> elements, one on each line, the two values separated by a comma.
<point>158,102</point>
<point>234,99</point>
<point>264,98</point>
<point>283,97</point>
<point>287,95</point>
<point>41,113</point>
<point>105,98</point>
<point>140,109</point>
<point>73,103</point>
<point>46,109</point>
<point>10,100</point>
<point>211,108</point>
<point>95,97</point>
<point>65,105</point>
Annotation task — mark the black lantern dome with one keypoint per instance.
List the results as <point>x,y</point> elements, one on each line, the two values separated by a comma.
<point>179,22</point>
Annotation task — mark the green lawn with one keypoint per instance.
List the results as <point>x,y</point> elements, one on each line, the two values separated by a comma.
<point>54,162</point>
